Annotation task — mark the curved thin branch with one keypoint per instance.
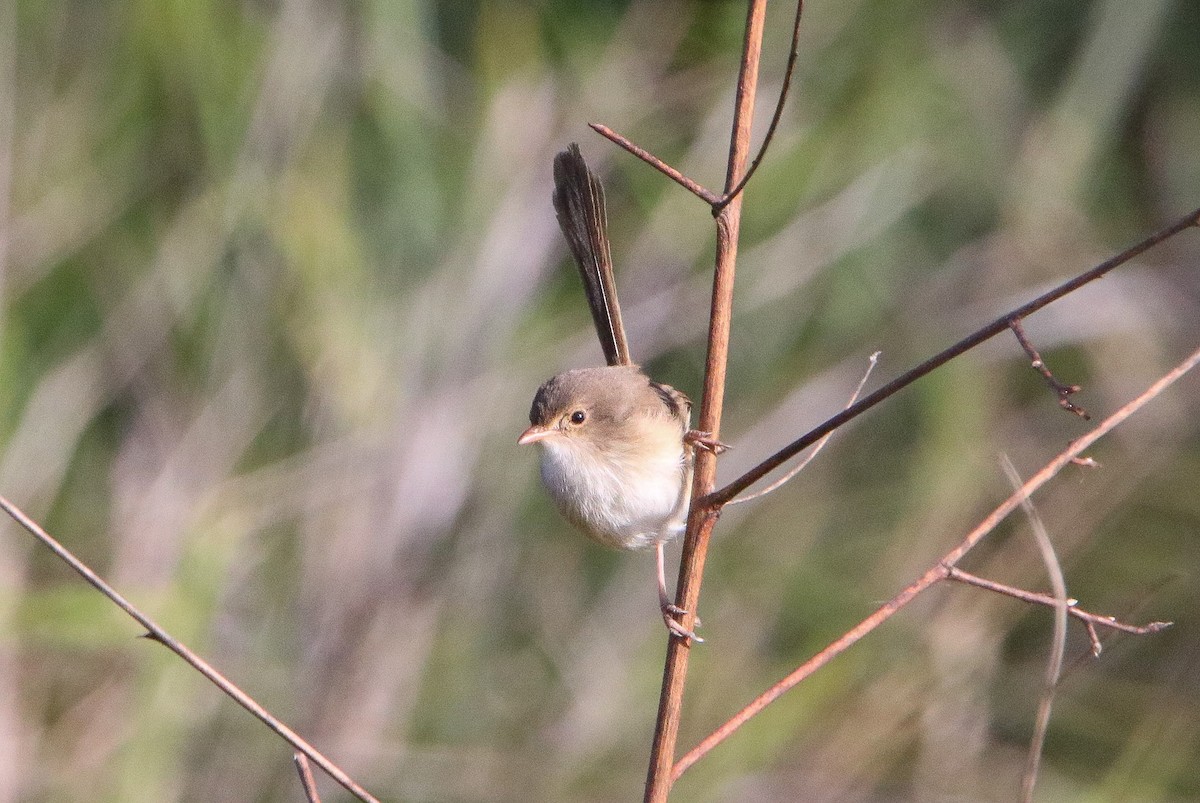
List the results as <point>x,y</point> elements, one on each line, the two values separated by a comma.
<point>808,458</point>
<point>1058,647</point>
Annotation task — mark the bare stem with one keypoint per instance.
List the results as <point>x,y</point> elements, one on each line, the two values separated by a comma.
<point>156,633</point>
<point>702,518</point>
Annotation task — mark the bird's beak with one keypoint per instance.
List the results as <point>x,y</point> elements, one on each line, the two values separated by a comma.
<point>535,433</point>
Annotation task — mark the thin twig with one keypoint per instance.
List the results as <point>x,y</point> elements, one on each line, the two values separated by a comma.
<point>1063,391</point>
<point>722,496</point>
<point>939,571</point>
<point>788,73</point>
<point>1090,620</point>
<point>1058,646</point>
<point>156,633</point>
<point>808,458</point>
<point>709,197</point>
<point>701,518</point>
<point>306,778</point>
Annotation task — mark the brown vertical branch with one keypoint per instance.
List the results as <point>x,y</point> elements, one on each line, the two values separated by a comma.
<point>702,518</point>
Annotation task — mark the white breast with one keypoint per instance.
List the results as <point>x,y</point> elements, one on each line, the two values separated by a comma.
<point>618,501</point>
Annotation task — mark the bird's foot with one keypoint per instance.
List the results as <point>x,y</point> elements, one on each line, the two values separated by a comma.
<point>669,611</point>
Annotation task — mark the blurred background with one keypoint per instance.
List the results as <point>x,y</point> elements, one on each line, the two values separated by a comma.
<point>279,280</point>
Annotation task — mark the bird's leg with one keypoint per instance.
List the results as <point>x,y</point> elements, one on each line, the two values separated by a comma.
<point>669,609</point>
<point>704,440</point>
<point>664,601</point>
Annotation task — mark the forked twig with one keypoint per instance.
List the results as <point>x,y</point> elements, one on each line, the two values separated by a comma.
<point>307,781</point>
<point>719,202</point>
<point>939,571</point>
<point>788,72</point>
<point>808,458</point>
<point>156,633</point>
<point>1063,391</point>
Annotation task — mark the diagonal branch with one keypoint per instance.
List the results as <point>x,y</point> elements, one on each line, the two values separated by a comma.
<point>156,633</point>
<point>688,184</point>
<point>939,571</point>
<point>722,496</point>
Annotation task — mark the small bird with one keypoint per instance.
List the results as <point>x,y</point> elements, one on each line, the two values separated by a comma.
<point>617,447</point>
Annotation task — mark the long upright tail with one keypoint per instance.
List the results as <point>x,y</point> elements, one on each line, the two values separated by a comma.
<point>579,202</point>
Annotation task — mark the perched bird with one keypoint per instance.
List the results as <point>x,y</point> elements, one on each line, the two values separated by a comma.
<point>616,446</point>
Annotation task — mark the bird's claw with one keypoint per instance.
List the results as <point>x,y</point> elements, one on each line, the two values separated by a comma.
<point>669,611</point>
<point>705,440</point>
<point>679,630</point>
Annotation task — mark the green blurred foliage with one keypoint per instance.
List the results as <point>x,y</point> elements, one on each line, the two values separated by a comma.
<point>279,280</point>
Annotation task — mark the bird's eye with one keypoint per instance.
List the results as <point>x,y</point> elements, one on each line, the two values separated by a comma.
<point>578,417</point>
